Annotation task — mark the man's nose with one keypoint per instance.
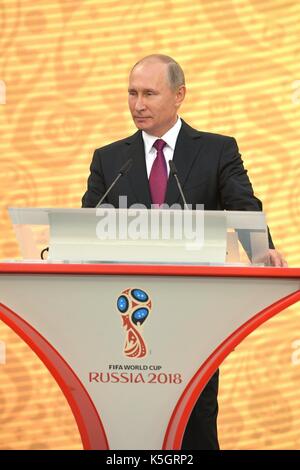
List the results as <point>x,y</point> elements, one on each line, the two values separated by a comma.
<point>140,104</point>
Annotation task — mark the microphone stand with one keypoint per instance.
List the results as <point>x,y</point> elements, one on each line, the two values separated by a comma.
<point>174,173</point>
<point>125,168</point>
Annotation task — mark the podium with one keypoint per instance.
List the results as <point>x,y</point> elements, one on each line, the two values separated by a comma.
<point>133,345</point>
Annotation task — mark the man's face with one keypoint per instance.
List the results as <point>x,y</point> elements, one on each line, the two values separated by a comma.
<point>152,102</point>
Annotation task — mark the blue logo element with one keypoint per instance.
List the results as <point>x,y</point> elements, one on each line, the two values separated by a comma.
<point>122,304</point>
<point>140,315</point>
<point>139,295</point>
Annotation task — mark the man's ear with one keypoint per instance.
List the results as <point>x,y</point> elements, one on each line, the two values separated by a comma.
<point>180,95</point>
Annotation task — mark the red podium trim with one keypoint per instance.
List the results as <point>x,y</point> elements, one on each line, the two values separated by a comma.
<point>88,421</point>
<point>147,270</point>
<point>185,405</point>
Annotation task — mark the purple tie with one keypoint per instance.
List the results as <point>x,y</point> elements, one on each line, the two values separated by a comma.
<point>159,174</point>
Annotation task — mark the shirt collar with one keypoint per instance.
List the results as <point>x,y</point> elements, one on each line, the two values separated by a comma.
<point>170,137</point>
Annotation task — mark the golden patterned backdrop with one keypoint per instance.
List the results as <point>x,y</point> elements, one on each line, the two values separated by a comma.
<point>63,77</point>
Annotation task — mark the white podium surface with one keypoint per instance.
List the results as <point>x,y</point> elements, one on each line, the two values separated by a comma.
<point>132,386</point>
<point>145,236</point>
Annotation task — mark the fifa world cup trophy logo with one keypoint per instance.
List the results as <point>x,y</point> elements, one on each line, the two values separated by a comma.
<point>134,306</point>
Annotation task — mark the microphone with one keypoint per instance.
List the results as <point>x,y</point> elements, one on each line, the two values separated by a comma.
<point>173,170</point>
<point>123,171</point>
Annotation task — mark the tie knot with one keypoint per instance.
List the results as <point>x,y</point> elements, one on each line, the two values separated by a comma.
<point>159,144</point>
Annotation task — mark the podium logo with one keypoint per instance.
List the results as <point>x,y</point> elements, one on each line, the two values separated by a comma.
<point>135,307</point>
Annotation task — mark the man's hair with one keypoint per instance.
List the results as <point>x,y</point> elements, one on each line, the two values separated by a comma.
<point>175,72</point>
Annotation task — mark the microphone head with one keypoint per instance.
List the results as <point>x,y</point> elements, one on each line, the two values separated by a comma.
<point>173,168</point>
<point>126,167</point>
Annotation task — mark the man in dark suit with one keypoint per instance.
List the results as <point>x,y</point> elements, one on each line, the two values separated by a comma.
<point>210,169</point>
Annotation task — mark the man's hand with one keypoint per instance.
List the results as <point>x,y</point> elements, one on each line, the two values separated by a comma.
<point>276,259</point>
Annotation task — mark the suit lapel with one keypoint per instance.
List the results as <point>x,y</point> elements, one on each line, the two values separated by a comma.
<point>137,176</point>
<point>187,148</point>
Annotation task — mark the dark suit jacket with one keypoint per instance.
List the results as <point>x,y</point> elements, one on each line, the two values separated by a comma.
<point>209,167</point>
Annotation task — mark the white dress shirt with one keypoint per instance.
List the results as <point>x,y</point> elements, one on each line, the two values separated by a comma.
<point>169,137</point>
